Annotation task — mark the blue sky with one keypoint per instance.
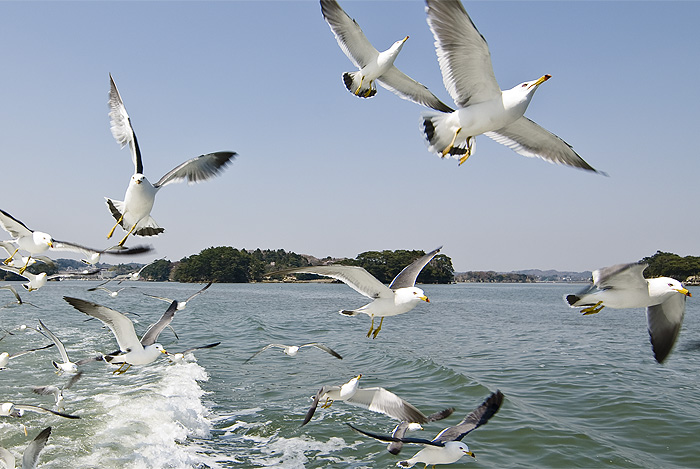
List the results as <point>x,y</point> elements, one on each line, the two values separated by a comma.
<point>325,173</point>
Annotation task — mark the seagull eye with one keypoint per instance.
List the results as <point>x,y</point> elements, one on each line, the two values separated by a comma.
<point>524,85</point>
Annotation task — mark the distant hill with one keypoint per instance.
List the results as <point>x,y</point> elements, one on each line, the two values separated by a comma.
<point>557,276</point>
<point>522,276</point>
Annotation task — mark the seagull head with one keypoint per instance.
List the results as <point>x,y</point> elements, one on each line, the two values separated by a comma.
<point>137,178</point>
<point>42,239</point>
<point>461,446</point>
<point>534,84</point>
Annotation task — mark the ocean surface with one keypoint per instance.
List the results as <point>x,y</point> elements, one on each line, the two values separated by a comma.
<point>579,391</point>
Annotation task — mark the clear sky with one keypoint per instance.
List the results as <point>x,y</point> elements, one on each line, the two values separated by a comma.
<point>322,172</point>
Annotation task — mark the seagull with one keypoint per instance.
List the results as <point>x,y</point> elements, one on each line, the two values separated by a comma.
<point>36,242</point>
<point>5,356</point>
<point>179,357</point>
<point>36,281</point>
<point>134,213</point>
<point>56,391</point>
<point>131,350</point>
<point>66,366</point>
<point>8,409</point>
<point>111,293</point>
<point>30,457</point>
<point>400,430</point>
<point>624,286</point>
<point>137,275</point>
<point>374,65</point>
<point>401,296</point>
<point>20,261</point>
<point>482,108</point>
<point>292,350</point>
<point>447,447</point>
<point>180,305</point>
<point>18,301</point>
<point>375,399</point>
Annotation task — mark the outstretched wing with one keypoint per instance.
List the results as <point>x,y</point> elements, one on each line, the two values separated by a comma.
<point>323,347</point>
<point>474,420</point>
<point>406,87</point>
<point>664,322</point>
<point>386,402</point>
<point>13,226</point>
<point>31,454</point>
<point>407,277</point>
<point>355,277</point>
<point>151,335</point>
<point>120,125</point>
<point>120,325</point>
<point>349,35</point>
<point>198,169</point>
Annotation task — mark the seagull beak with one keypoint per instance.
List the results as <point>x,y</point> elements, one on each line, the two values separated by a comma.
<point>405,39</point>
<point>469,453</point>
<point>50,243</point>
<point>684,291</point>
<point>163,351</point>
<point>541,80</point>
<point>359,376</point>
<point>424,298</point>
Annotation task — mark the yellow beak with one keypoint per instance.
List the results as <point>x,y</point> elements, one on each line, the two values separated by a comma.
<point>541,80</point>
<point>684,291</point>
<point>424,298</point>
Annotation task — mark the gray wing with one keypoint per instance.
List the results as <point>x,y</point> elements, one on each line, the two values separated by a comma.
<point>407,277</point>
<point>622,276</point>
<point>161,298</point>
<point>31,454</point>
<point>664,322</point>
<point>200,347</point>
<point>24,352</point>
<point>14,292</point>
<point>198,169</point>
<point>529,139</point>
<point>120,325</point>
<point>59,344</point>
<point>390,438</point>
<point>323,347</point>
<point>386,402</point>
<point>199,292</point>
<point>73,247</point>
<point>400,431</point>
<point>16,228</point>
<point>355,277</point>
<point>50,390</point>
<point>463,55</point>
<point>263,349</point>
<point>314,404</point>
<point>349,35</point>
<point>474,420</point>
<point>406,87</point>
<point>120,125</point>
<point>151,335</point>
<point>42,410</point>
<point>7,458</point>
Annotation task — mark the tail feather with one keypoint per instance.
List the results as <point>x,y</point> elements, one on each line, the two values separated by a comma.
<point>357,86</point>
<point>439,136</point>
<point>572,299</point>
<point>148,227</point>
<point>349,312</point>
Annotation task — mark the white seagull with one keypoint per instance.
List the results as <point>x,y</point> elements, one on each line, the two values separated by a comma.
<point>292,350</point>
<point>137,274</point>
<point>57,392</point>
<point>375,399</point>
<point>30,457</point>
<point>36,242</point>
<point>179,357</point>
<point>482,108</point>
<point>36,281</point>
<point>400,430</point>
<point>180,305</point>
<point>66,366</point>
<point>401,296</point>
<point>8,409</point>
<point>18,260</point>
<point>374,65</point>
<point>111,293</point>
<point>447,447</point>
<point>132,351</point>
<point>134,213</point>
<point>624,286</point>
<point>5,356</point>
<point>18,300</point>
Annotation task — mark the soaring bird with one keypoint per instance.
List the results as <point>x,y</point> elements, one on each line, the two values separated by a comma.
<point>292,350</point>
<point>180,305</point>
<point>132,351</point>
<point>624,286</point>
<point>36,281</point>
<point>374,65</point>
<point>57,392</point>
<point>5,356</point>
<point>447,447</point>
<point>134,213</point>
<point>401,296</point>
<point>66,366</point>
<point>37,242</point>
<point>482,108</point>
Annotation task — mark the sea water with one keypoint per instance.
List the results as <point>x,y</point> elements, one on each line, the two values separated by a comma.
<point>580,391</point>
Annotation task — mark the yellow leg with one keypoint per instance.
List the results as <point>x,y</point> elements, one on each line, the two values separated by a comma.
<point>593,309</point>
<point>371,327</point>
<point>376,331</point>
<point>26,264</point>
<point>369,91</point>
<point>111,232</point>
<point>121,243</point>
<point>121,370</point>
<point>327,404</point>
<point>357,91</point>
<point>9,259</point>
<point>448,149</point>
<point>470,145</point>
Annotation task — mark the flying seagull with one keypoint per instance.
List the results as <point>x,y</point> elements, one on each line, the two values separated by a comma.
<point>292,350</point>
<point>18,301</point>
<point>111,293</point>
<point>36,242</point>
<point>30,457</point>
<point>18,260</point>
<point>624,286</point>
<point>375,399</point>
<point>374,65</point>
<point>66,365</point>
<point>137,274</point>
<point>134,213</point>
<point>5,356</point>
<point>57,392</point>
<point>400,430</point>
<point>36,281</point>
<point>179,357</point>
<point>447,447</point>
<point>8,409</point>
<point>401,296</point>
<point>482,108</point>
<point>180,305</point>
<point>132,351</point>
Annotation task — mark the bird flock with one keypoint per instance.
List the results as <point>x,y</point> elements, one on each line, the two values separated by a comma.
<point>481,107</point>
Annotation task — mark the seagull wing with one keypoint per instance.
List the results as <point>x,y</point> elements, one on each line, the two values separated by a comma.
<point>161,298</point>
<point>407,277</point>
<point>463,55</point>
<point>389,438</point>
<point>151,335</point>
<point>59,344</point>
<point>400,431</point>
<point>31,454</point>
<point>314,404</point>
<point>349,35</point>
<point>199,292</point>
<point>198,169</point>
<point>7,458</point>
<point>323,347</point>
<point>664,322</point>
<point>24,352</point>
<point>474,420</point>
<point>386,402</point>
<point>86,251</point>
<point>621,276</point>
<point>407,88</point>
<point>42,410</point>
<point>263,349</point>
<point>50,390</point>
<point>529,139</point>
<point>201,347</point>
<point>14,292</point>
<point>16,228</point>
<point>355,277</point>
<point>120,125</point>
<point>120,325</point>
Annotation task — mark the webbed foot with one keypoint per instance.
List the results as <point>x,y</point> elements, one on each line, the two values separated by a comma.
<point>593,309</point>
<point>449,147</point>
